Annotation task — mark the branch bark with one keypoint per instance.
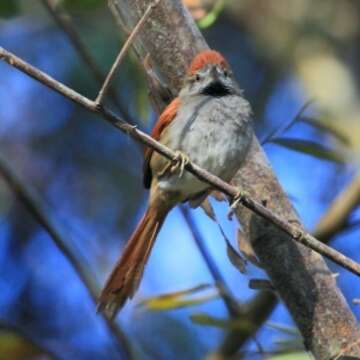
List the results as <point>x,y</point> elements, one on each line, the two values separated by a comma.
<point>334,220</point>
<point>237,196</point>
<point>300,275</point>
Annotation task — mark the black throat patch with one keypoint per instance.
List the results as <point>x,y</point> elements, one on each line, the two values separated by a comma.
<point>217,89</point>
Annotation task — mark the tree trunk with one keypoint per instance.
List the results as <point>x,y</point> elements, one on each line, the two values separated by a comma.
<point>300,275</point>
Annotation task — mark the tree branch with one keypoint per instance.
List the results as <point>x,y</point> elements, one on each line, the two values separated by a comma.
<point>63,19</point>
<point>300,276</point>
<point>335,218</point>
<point>238,196</point>
<point>124,49</point>
<point>331,224</point>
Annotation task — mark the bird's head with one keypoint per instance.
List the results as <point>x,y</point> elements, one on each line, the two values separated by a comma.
<point>209,74</point>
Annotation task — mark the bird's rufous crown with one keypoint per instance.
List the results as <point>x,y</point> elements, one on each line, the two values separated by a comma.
<point>204,58</point>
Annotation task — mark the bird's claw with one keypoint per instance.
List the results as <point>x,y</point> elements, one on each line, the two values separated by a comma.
<point>179,162</point>
<point>235,202</point>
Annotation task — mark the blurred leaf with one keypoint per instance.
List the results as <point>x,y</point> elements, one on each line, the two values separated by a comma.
<point>210,18</point>
<point>290,330</point>
<point>177,300</point>
<point>261,284</point>
<point>82,4</point>
<point>8,8</point>
<point>287,345</point>
<point>218,195</point>
<point>16,347</point>
<point>208,209</point>
<point>291,356</point>
<point>311,148</point>
<point>326,127</point>
<point>277,132</point>
<point>227,324</point>
<point>235,258</point>
<point>246,248</point>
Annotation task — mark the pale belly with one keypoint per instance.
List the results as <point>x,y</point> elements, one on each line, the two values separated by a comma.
<point>215,133</point>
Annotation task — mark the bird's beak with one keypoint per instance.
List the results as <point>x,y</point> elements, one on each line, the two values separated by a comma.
<point>215,85</point>
<point>214,75</point>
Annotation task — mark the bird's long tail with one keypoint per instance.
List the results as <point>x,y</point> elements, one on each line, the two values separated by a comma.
<point>127,273</point>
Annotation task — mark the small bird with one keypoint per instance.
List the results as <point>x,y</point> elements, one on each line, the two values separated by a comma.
<point>210,123</point>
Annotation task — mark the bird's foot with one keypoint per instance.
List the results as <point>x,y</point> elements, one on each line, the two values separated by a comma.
<point>236,200</point>
<point>179,163</point>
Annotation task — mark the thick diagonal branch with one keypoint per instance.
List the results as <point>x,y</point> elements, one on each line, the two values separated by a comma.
<point>300,276</point>
<point>238,197</point>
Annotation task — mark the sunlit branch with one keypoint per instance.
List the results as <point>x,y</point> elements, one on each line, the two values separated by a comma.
<point>234,193</point>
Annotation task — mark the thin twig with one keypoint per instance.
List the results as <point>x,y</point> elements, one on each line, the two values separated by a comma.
<point>335,218</point>
<point>241,197</point>
<point>278,131</point>
<point>33,205</point>
<point>105,87</point>
<point>229,300</point>
<point>63,19</point>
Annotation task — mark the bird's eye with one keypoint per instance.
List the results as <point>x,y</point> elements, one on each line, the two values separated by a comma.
<point>226,73</point>
<point>197,77</point>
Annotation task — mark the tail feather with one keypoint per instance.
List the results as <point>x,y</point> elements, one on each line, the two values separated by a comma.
<point>127,273</point>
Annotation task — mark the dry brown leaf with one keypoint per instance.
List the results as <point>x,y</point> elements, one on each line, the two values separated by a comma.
<point>246,248</point>
<point>208,209</point>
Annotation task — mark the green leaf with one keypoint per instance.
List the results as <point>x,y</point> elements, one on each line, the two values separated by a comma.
<point>326,127</point>
<point>8,8</point>
<point>226,324</point>
<point>179,299</point>
<point>311,148</point>
<point>212,16</point>
<point>279,131</point>
<point>290,330</point>
<point>15,346</point>
<point>300,355</point>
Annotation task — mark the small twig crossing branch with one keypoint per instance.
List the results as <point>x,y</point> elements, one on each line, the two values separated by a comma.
<point>229,301</point>
<point>231,191</point>
<point>102,93</point>
<point>65,23</point>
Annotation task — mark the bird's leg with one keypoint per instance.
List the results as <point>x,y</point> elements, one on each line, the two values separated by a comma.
<point>236,200</point>
<point>179,162</point>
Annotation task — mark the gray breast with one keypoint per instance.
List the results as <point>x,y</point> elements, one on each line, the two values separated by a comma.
<point>214,133</point>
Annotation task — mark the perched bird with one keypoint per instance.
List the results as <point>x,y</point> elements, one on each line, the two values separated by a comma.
<point>210,123</point>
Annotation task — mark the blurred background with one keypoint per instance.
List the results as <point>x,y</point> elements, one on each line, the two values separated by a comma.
<point>298,63</point>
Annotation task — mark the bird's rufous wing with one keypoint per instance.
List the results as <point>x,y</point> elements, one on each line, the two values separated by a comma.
<point>165,119</point>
